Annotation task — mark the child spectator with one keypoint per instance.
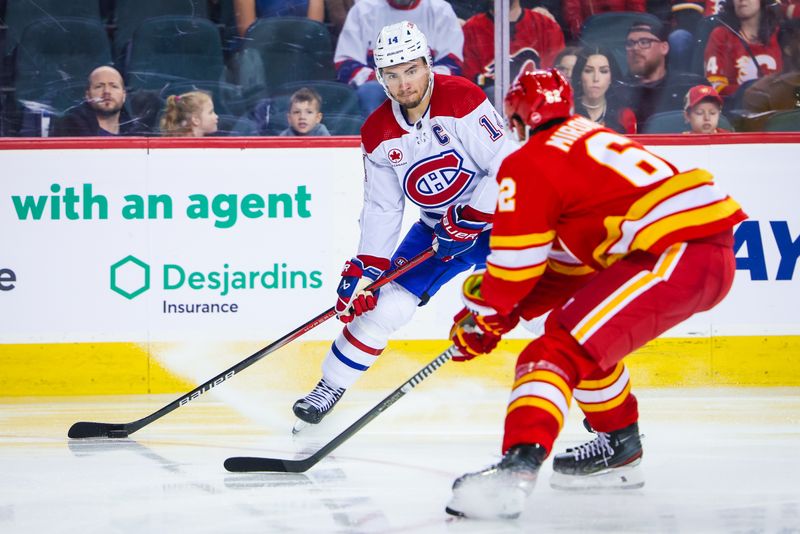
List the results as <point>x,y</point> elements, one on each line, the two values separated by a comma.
<point>702,109</point>
<point>305,114</point>
<point>189,115</point>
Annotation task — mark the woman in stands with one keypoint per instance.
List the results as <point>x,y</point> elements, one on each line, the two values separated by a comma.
<point>594,80</point>
<point>189,115</point>
<point>749,32</point>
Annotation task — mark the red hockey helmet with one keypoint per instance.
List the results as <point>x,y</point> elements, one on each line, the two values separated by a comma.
<point>539,96</point>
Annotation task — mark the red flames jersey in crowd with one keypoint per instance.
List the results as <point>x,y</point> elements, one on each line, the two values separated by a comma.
<point>575,12</point>
<point>728,64</point>
<point>534,37</point>
<point>598,196</point>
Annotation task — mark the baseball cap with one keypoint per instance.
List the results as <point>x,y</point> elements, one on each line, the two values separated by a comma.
<point>661,31</point>
<point>698,93</point>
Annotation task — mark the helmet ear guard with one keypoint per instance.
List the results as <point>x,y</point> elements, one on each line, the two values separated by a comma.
<point>539,96</point>
<point>400,43</point>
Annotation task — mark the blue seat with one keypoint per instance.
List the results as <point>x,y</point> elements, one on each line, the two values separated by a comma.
<point>783,121</point>
<point>129,15</point>
<point>279,50</point>
<point>187,48</point>
<point>56,56</point>
<point>21,13</point>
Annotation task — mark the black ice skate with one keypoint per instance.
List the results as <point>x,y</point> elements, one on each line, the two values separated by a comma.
<point>499,491</point>
<point>611,460</point>
<point>312,408</point>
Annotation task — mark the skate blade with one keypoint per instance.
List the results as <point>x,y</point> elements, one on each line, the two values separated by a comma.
<point>298,426</point>
<point>628,476</point>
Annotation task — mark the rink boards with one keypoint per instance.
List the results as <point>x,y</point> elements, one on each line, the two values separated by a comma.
<point>134,266</point>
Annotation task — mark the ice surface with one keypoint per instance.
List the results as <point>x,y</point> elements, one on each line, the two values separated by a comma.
<point>715,461</point>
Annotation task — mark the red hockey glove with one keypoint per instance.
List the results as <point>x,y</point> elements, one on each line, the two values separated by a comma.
<point>358,273</point>
<point>454,234</point>
<point>486,317</point>
<point>466,335</point>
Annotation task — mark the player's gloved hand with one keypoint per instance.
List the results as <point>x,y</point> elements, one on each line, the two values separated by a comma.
<point>454,234</point>
<point>487,319</point>
<point>358,273</point>
<point>469,339</point>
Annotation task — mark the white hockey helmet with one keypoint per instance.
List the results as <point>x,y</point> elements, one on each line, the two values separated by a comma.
<point>400,43</point>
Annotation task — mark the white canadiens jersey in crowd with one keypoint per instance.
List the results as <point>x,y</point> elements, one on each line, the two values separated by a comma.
<point>450,156</point>
<point>435,18</point>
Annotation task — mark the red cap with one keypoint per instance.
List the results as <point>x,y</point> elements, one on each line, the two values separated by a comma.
<point>698,93</point>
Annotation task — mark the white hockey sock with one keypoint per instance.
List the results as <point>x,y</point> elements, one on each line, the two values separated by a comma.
<point>362,340</point>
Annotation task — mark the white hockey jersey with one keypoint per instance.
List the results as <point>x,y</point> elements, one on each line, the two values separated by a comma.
<point>450,156</point>
<point>436,19</point>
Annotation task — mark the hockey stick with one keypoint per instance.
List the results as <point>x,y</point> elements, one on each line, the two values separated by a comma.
<point>243,464</point>
<point>121,430</point>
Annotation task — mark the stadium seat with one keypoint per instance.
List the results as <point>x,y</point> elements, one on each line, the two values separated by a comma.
<point>21,13</point>
<point>187,48</point>
<point>673,122</point>
<point>129,14</point>
<point>343,123</point>
<point>337,97</point>
<point>783,121</point>
<point>284,49</point>
<point>701,33</point>
<point>56,56</point>
<point>610,30</point>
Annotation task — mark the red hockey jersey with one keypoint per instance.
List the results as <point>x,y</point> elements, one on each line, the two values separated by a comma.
<point>728,64</point>
<point>591,196</point>
<point>535,37</point>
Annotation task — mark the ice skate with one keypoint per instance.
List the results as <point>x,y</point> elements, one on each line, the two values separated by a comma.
<point>501,490</point>
<point>611,460</point>
<point>312,408</point>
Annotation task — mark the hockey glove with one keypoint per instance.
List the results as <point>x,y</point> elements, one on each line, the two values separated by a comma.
<point>454,235</point>
<point>358,273</point>
<point>486,318</point>
<point>466,335</point>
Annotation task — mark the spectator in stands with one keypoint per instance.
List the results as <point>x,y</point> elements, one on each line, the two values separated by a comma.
<point>565,61</point>
<point>248,11</point>
<point>189,115</point>
<point>535,41</point>
<point>353,57</point>
<point>702,110</point>
<point>305,114</point>
<point>651,86</point>
<point>102,113</point>
<point>779,92</point>
<point>336,13</point>
<point>575,12</point>
<point>595,80</point>
<point>750,33</point>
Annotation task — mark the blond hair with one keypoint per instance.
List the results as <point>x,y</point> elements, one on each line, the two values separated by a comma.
<point>176,121</point>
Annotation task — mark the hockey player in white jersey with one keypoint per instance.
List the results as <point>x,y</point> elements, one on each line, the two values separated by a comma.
<point>437,142</point>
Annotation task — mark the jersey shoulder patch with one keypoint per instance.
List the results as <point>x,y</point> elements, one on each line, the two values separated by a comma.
<point>454,96</point>
<point>380,126</point>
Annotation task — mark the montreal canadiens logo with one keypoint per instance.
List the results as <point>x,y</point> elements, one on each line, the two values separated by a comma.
<point>438,180</point>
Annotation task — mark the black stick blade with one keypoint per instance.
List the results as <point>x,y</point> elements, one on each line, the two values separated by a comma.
<point>247,464</point>
<point>84,429</point>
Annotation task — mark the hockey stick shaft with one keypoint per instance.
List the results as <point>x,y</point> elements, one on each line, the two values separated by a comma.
<point>85,429</point>
<point>248,463</point>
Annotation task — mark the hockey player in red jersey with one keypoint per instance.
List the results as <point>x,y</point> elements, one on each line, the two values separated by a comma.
<point>578,198</point>
<point>436,142</point>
